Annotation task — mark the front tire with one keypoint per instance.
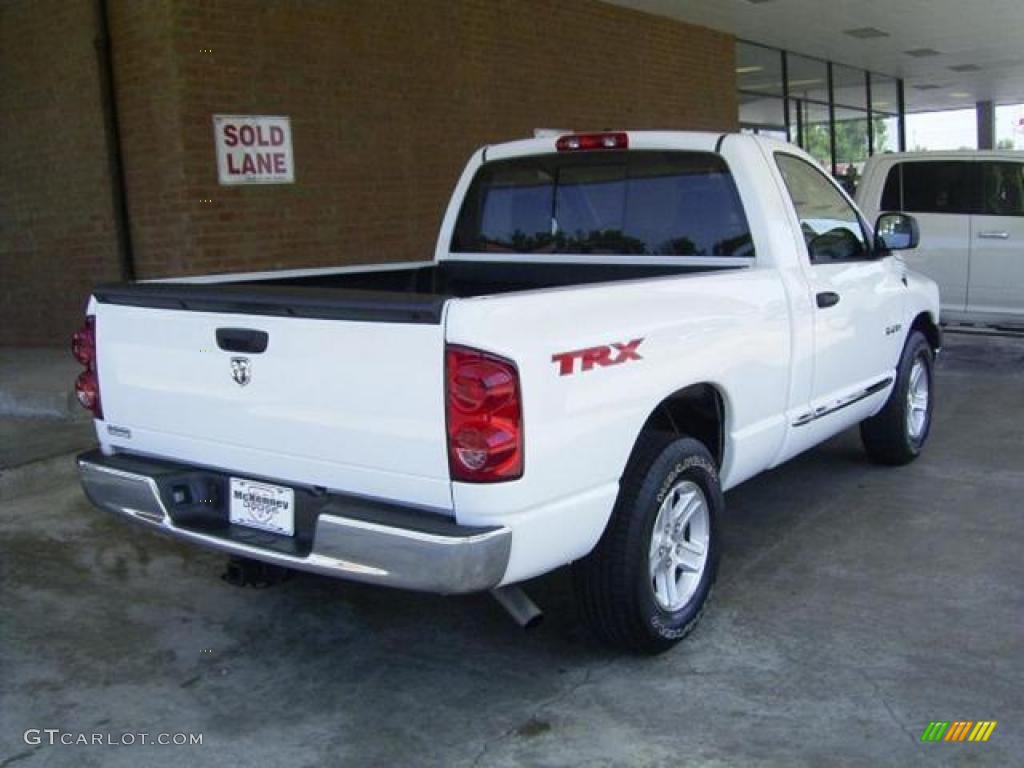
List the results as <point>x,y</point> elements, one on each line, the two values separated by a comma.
<point>646,584</point>
<point>897,433</point>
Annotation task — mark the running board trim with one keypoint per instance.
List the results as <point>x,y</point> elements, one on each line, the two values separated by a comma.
<point>819,413</point>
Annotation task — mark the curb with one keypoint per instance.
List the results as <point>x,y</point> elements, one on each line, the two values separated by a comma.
<point>61,406</point>
<point>38,476</point>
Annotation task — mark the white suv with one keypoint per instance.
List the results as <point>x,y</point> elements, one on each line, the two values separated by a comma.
<point>970,208</point>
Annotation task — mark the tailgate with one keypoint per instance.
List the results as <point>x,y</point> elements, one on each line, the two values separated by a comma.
<point>350,405</point>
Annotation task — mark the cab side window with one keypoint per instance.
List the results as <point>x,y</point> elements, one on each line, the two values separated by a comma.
<point>931,186</point>
<point>831,226</point>
<point>1002,189</point>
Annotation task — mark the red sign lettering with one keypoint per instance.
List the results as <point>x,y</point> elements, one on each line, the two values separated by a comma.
<point>253,149</point>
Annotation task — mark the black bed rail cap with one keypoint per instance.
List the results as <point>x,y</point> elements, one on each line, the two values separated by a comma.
<point>279,301</point>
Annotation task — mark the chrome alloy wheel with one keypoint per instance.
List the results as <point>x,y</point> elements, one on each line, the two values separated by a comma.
<point>679,546</point>
<point>918,392</point>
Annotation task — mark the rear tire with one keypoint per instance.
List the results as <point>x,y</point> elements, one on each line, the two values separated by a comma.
<point>646,584</point>
<point>897,433</point>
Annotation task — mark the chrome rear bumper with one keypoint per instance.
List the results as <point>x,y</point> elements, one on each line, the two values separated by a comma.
<point>351,538</point>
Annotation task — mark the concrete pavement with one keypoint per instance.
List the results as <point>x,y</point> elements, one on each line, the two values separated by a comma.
<point>23,441</point>
<point>855,604</point>
<point>38,382</point>
<point>40,419</point>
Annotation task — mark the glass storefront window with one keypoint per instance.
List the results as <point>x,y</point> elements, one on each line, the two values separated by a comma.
<point>810,111</point>
<point>885,95</point>
<point>758,69</point>
<point>885,107</point>
<point>887,133</point>
<point>817,138</point>
<point>849,87</point>
<point>808,78</point>
<point>759,79</point>
<point>852,149</point>
<point>762,114</point>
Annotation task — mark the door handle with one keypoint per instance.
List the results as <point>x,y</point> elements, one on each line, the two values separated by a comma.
<point>242,340</point>
<point>994,235</point>
<point>827,299</point>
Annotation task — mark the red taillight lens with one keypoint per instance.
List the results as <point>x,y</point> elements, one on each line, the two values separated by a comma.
<point>585,142</point>
<point>83,343</point>
<point>87,389</point>
<point>87,385</point>
<point>485,421</point>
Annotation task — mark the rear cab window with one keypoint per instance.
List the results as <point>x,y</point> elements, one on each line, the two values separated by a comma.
<point>630,203</point>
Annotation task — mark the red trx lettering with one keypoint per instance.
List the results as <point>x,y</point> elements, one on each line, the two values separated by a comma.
<point>604,356</point>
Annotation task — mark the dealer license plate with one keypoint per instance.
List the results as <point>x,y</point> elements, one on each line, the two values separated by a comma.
<point>264,506</point>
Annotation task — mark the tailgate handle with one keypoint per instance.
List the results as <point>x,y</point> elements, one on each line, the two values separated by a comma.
<point>827,299</point>
<point>242,340</point>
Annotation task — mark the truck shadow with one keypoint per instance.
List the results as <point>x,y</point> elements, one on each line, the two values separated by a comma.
<point>756,513</point>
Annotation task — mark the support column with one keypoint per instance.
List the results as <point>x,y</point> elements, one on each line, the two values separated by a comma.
<point>986,112</point>
<point>901,98</point>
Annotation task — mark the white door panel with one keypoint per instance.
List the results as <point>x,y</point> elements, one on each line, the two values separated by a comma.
<point>943,255</point>
<point>997,265</point>
<point>996,282</point>
<point>856,340</point>
<point>858,299</point>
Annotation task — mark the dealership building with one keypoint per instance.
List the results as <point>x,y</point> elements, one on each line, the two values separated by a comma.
<point>122,120</point>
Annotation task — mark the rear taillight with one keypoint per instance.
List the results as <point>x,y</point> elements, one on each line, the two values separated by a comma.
<point>485,417</point>
<point>585,142</point>
<point>83,343</point>
<point>87,386</point>
<point>87,389</point>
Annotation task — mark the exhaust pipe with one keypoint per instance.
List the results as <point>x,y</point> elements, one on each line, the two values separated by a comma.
<point>520,607</point>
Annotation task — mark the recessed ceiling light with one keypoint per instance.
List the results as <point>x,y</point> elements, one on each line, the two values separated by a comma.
<point>922,53</point>
<point>747,70</point>
<point>927,87</point>
<point>960,95</point>
<point>965,68</point>
<point>879,103</point>
<point>865,33</point>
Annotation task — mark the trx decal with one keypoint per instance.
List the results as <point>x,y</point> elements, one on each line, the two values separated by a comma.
<point>612,354</point>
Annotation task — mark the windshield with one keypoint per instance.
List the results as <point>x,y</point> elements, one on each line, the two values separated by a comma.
<point>620,203</point>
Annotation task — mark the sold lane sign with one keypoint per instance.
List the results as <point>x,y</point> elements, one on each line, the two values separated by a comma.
<point>253,149</point>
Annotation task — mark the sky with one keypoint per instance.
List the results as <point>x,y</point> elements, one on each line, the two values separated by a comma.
<point>957,128</point>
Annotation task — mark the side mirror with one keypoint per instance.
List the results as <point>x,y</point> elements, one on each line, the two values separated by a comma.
<point>896,232</point>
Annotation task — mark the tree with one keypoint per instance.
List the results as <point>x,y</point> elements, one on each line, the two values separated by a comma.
<point>1004,144</point>
<point>851,140</point>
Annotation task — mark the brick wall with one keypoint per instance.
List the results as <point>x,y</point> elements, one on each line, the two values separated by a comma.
<point>57,235</point>
<point>387,99</point>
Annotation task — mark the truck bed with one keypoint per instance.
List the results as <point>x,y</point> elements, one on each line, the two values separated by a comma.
<point>409,295</point>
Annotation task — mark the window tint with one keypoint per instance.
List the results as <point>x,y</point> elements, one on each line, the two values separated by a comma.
<point>931,186</point>
<point>621,203</point>
<point>1002,189</point>
<point>831,226</point>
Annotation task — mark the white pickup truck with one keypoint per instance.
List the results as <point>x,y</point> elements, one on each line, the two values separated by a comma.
<point>615,328</point>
